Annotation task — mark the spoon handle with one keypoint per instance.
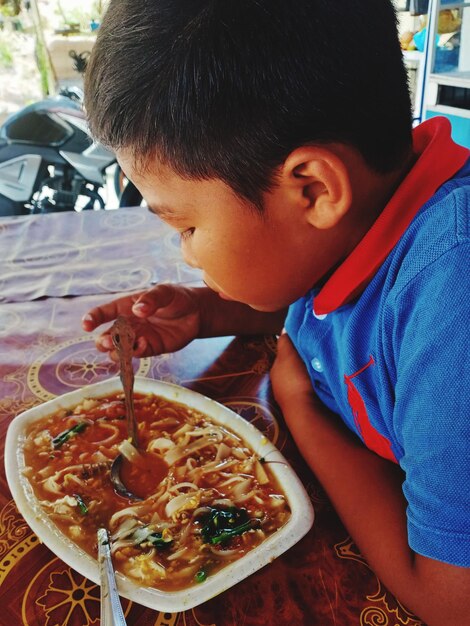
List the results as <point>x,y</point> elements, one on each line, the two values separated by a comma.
<point>123,336</point>
<point>111,609</point>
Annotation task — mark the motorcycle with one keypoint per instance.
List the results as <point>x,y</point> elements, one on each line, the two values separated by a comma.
<point>48,160</point>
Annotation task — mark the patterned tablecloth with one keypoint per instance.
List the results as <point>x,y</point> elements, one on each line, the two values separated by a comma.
<point>45,260</point>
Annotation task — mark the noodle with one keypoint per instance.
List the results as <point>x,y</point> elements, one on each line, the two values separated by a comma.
<point>208,499</point>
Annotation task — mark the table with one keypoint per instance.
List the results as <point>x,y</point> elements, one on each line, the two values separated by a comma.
<point>53,269</point>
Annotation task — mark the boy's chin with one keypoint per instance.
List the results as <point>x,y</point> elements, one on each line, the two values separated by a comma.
<point>265,308</point>
<point>224,296</point>
<point>262,308</point>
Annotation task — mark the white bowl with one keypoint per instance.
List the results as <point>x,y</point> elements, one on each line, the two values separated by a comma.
<point>298,525</point>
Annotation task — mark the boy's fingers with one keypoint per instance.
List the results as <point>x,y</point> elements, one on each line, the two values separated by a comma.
<point>107,312</point>
<point>140,347</point>
<point>100,315</point>
<point>88,322</point>
<point>104,342</point>
<point>154,299</point>
<point>113,355</point>
<point>162,297</point>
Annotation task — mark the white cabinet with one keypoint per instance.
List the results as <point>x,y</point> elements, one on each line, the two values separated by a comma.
<point>447,71</point>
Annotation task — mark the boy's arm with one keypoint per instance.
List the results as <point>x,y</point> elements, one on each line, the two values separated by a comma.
<point>366,491</point>
<point>167,317</point>
<point>225,317</point>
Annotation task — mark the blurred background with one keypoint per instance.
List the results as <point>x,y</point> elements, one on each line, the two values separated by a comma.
<point>38,43</point>
<point>44,49</point>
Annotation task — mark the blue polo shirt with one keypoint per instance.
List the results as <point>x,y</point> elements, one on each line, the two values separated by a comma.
<point>386,342</point>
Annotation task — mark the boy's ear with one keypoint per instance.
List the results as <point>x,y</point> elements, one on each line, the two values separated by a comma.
<point>318,182</point>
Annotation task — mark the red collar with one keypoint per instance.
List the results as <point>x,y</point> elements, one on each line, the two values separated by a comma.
<point>440,158</point>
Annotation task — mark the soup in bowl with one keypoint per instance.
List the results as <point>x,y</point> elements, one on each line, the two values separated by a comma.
<point>216,499</point>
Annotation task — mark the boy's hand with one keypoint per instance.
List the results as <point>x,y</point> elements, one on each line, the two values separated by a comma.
<point>289,377</point>
<point>166,318</point>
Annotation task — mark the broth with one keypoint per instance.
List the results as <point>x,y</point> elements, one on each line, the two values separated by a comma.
<point>212,498</point>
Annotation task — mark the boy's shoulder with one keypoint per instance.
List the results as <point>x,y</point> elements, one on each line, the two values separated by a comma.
<point>439,236</point>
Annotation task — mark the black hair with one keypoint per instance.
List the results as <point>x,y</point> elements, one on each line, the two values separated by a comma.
<point>228,88</point>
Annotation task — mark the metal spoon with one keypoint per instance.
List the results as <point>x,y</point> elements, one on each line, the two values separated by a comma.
<point>123,336</point>
<point>111,609</point>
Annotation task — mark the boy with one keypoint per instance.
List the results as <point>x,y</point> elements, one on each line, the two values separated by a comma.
<point>277,140</point>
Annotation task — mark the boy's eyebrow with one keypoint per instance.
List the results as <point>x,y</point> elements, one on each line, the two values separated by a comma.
<point>162,210</point>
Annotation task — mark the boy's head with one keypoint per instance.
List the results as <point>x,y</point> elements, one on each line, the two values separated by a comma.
<point>213,105</point>
<point>228,88</point>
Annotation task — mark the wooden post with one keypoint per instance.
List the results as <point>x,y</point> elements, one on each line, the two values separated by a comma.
<point>46,69</point>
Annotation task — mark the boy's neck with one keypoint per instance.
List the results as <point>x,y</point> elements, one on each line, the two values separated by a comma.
<point>371,192</point>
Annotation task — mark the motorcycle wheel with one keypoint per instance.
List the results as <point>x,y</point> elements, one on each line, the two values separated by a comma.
<point>130,197</point>
<point>49,199</point>
<point>95,201</point>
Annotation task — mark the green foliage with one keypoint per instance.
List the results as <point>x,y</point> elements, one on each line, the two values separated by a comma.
<point>80,12</point>
<point>10,8</point>
<point>6,56</point>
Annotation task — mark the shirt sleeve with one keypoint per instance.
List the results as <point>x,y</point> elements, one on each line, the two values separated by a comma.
<point>430,332</point>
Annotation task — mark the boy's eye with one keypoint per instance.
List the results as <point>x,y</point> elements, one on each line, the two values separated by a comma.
<point>187,233</point>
